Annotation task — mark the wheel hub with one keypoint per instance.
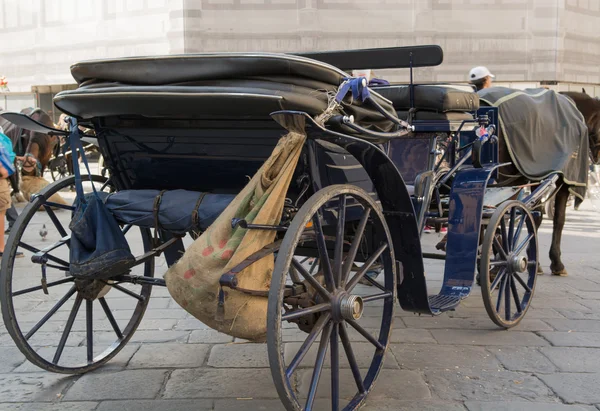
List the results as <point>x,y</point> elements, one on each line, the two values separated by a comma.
<point>350,307</point>
<point>517,264</point>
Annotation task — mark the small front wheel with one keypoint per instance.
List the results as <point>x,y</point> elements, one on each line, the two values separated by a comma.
<point>508,267</point>
<point>347,324</point>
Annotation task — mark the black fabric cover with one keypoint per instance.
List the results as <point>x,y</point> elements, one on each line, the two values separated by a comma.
<point>544,133</point>
<point>207,86</point>
<point>175,210</point>
<point>434,98</point>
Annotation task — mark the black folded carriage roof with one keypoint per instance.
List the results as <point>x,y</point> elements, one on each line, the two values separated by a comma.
<point>200,86</point>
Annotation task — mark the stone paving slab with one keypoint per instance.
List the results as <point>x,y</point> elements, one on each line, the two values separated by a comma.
<point>575,387</point>
<point>220,383</point>
<point>523,406</point>
<point>128,384</point>
<point>170,356</point>
<point>487,385</point>
<point>396,384</point>
<point>574,325</point>
<point>33,387</point>
<point>45,406</point>
<point>10,358</point>
<point>488,337</point>
<point>156,405</point>
<point>478,323</point>
<point>523,359</point>
<point>573,359</point>
<point>422,357</point>
<point>572,339</point>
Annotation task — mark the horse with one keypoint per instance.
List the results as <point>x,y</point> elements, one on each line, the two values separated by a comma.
<point>590,109</point>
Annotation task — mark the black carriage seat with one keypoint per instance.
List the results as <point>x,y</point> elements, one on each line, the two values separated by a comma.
<point>432,99</point>
<point>447,104</point>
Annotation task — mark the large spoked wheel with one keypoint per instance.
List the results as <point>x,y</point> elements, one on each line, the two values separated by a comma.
<point>61,324</point>
<point>344,228</point>
<point>509,260</point>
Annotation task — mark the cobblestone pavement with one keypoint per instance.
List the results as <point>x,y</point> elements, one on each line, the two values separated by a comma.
<point>457,361</point>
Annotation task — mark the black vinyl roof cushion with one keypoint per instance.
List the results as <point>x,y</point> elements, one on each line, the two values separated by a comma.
<point>434,98</point>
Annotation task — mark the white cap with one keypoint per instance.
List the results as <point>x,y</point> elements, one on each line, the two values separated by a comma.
<point>477,73</point>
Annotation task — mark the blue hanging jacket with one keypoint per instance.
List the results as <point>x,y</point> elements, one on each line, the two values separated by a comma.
<point>7,155</point>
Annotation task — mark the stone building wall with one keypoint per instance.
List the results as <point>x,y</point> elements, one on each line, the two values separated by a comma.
<point>523,42</point>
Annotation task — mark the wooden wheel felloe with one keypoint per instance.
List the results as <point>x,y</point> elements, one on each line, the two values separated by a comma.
<point>508,266</point>
<point>348,325</point>
<point>59,323</point>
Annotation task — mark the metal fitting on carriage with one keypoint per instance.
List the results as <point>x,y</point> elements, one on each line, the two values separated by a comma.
<point>348,119</point>
<point>239,222</point>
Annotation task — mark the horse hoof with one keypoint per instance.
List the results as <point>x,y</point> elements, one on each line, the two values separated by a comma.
<point>561,273</point>
<point>540,270</point>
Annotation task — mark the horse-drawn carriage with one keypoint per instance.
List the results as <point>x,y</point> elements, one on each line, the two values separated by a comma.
<point>356,176</point>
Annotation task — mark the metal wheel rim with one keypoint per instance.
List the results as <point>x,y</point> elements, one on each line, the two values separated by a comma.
<point>8,309</point>
<point>274,338</point>
<point>494,290</point>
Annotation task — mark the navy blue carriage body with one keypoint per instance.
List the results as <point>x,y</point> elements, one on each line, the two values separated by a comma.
<point>99,249</point>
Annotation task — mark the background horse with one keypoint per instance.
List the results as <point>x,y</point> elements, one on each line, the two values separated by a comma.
<point>33,149</point>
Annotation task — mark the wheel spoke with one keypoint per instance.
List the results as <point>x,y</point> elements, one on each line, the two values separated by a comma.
<point>498,278</point>
<point>126,291</point>
<point>358,234</point>
<point>50,256</point>
<point>511,227</point>
<point>39,287</point>
<point>515,295</point>
<point>111,318</point>
<point>376,297</point>
<point>339,242</point>
<point>323,255</point>
<point>314,382</point>
<point>363,270</point>
<point>523,244</point>
<point>68,327</point>
<point>314,333</point>
<point>374,282</point>
<point>500,293</point>
<point>498,263</point>
<point>314,265</point>
<point>500,249</point>
<point>351,358</point>
<point>301,313</point>
<point>366,334</point>
<point>520,280</point>
<point>503,234</point>
<point>50,313</point>
<point>335,369</point>
<point>311,280</point>
<point>519,228</point>
<point>55,220</point>
<point>89,327</point>
<point>507,297</point>
<point>294,275</point>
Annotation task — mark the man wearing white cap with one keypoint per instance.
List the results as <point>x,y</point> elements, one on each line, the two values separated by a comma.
<point>481,77</point>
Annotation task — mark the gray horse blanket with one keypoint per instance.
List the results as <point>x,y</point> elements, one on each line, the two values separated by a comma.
<point>544,133</point>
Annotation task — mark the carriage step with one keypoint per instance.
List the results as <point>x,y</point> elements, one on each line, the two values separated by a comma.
<point>442,302</point>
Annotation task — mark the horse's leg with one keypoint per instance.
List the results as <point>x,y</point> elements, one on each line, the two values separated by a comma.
<point>560,211</point>
<point>537,220</point>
